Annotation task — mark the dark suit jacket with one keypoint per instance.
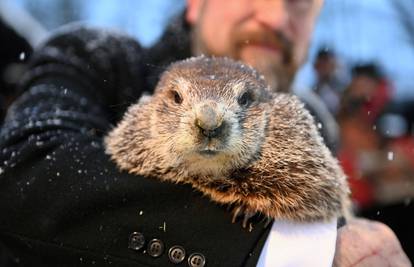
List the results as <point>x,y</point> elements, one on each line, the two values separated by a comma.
<point>63,202</point>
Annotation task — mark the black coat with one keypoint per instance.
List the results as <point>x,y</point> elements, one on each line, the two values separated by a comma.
<point>62,200</point>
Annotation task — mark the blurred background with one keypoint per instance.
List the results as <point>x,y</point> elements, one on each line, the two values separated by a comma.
<point>361,64</point>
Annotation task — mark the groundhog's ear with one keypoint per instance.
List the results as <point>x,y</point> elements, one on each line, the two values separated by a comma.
<point>145,98</point>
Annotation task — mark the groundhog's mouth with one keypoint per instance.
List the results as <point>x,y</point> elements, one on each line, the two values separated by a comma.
<point>209,152</point>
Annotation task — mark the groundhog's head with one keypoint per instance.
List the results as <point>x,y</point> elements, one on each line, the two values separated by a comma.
<point>207,116</point>
<point>210,114</point>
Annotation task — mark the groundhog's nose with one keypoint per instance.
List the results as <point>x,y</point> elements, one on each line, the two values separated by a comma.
<point>208,120</point>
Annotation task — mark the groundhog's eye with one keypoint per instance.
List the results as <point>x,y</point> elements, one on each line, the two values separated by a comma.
<point>176,96</point>
<point>245,99</point>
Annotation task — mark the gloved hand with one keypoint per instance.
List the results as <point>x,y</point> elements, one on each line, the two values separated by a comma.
<point>106,64</point>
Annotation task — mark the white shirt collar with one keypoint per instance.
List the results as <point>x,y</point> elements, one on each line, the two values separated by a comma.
<point>292,244</point>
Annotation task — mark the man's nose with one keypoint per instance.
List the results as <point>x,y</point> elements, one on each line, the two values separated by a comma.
<point>273,14</point>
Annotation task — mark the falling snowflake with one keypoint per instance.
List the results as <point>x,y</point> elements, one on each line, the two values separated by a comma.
<point>319,125</point>
<point>390,155</point>
<point>22,56</point>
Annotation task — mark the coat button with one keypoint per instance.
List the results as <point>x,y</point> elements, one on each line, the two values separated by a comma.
<point>155,248</point>
<point>176,254</point>
<point>136,241</point>
<point>196,260</point>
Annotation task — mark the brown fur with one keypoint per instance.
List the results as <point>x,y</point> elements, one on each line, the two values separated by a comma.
<point>269,159</point>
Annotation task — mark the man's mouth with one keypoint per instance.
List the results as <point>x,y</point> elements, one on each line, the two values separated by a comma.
<point>266,47</point>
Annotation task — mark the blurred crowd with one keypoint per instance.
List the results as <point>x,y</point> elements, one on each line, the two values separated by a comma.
<point>376,147</point>
<point>376,137</point>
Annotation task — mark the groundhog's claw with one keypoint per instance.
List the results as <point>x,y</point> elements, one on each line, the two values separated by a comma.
<point>247,214</point>
<point>246,218</point>
<point>237,211</point>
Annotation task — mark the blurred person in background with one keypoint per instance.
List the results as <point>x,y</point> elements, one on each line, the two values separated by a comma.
<point>72,206</point>
<point>329,86</point>
<point>368,93</point>
<point>377,152</point>
<point>364,99</point>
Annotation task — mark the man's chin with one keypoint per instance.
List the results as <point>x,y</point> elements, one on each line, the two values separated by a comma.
<point>269,62</point>
<point>261,56</point>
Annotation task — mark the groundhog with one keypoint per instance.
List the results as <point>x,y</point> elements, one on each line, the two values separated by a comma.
<point>215,124</point>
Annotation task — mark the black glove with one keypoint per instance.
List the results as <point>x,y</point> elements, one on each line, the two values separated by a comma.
<point>106,65</point>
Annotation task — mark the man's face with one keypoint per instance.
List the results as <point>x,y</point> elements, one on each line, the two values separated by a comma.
<point>270,35</point>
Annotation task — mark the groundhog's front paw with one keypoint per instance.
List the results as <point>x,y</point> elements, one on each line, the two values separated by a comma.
<point>246,213</point>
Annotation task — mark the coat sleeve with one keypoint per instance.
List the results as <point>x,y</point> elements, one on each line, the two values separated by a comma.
<point>106,65</point>
<point>62,200</point>
<point>53,168</point>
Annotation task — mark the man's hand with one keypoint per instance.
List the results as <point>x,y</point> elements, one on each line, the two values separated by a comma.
<point>363,243</point>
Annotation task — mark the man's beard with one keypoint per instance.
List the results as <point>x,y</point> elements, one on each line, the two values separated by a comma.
<point>278,73</point>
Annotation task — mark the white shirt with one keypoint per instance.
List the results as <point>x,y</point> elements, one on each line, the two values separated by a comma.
<point>292,244</point>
